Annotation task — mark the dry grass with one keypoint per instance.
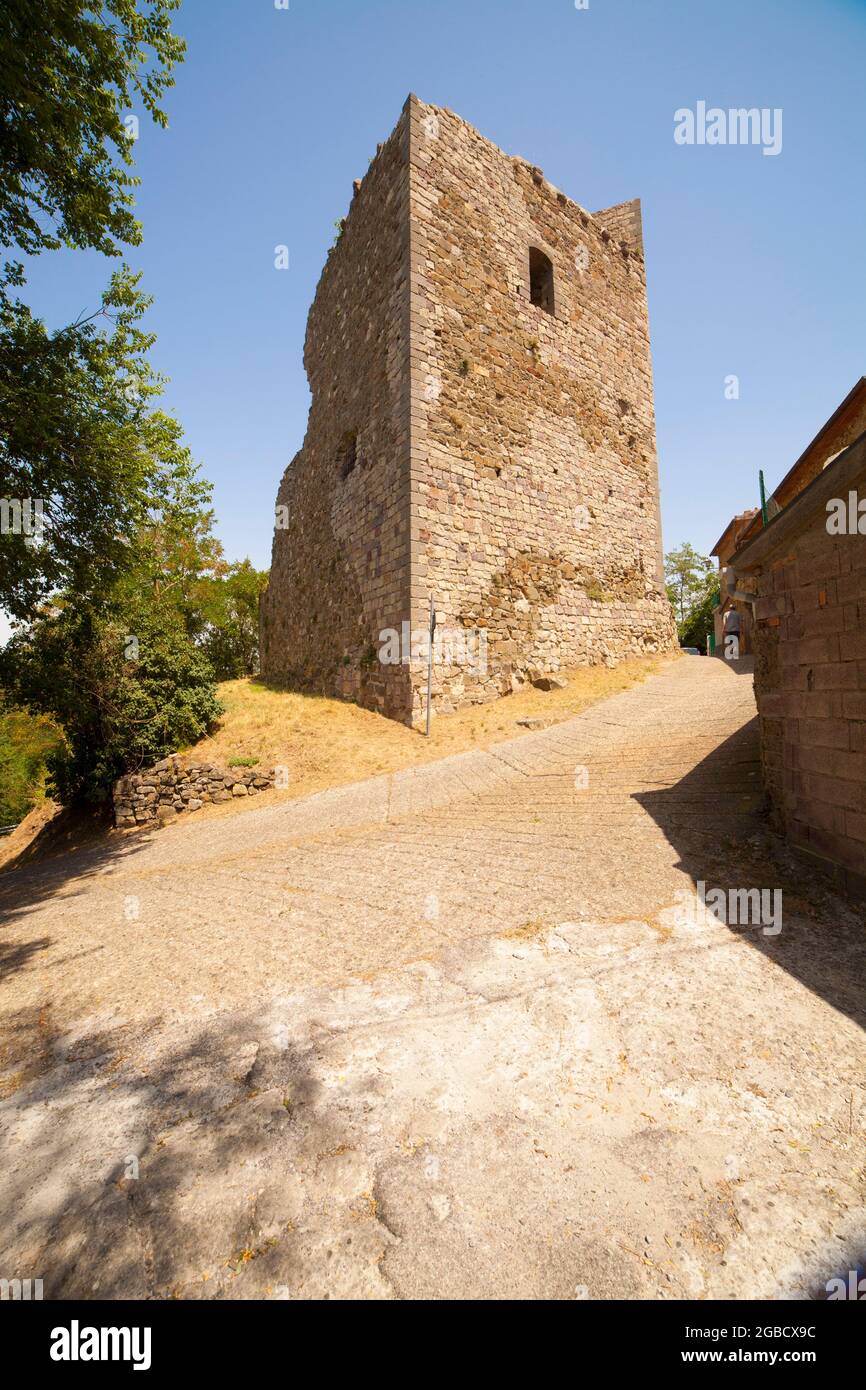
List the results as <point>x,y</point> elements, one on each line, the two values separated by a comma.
<point>327,743</point>
<point>13,846</point>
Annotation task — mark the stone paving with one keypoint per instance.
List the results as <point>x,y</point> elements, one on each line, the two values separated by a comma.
<point>457,1032</point>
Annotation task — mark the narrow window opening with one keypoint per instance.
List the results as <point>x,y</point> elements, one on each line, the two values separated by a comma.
<point>348,454</point>
<point>540,279</point>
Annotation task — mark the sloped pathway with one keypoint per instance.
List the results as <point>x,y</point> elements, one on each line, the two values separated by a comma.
<point>451,1033</point>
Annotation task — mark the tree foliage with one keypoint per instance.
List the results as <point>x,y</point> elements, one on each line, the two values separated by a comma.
<point>131,678</point>
<point>77,432</point>
<point>120,595</point>
<point>76,435</point>
<point>122,703</point>
<point>26,741</point>
<point>69,72</point>
<point>231,613</point>
<point>175,556</point>
<point>698,622</point>
<point>687,575</point>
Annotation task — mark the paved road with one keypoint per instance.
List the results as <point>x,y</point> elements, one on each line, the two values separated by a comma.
<point>458,1032</point>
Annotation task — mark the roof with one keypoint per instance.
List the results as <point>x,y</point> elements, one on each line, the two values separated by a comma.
<point>846,471</point>
<point>741,516</point>
<point>800,475</point>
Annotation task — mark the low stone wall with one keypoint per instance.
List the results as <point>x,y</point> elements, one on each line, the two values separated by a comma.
<point>169,789</point>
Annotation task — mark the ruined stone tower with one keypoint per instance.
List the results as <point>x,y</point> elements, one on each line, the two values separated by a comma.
<point>481,430</point>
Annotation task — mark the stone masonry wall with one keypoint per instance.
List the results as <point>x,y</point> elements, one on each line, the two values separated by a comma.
<point>340,570</point>
<point>624,223</point>
<point>504,458</point>
<point>168,789</point>
<point>535,502</point>
<point>810,684</point>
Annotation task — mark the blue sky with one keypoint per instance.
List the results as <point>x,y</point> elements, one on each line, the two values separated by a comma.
<point>755,263</point>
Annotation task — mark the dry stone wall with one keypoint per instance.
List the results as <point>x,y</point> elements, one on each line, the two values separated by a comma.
<point>168,789</point>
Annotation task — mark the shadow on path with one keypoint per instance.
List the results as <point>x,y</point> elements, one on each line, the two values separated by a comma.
<point>715,819</point>
<point>24,887</point>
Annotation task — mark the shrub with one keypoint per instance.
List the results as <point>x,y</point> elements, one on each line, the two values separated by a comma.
<point>125,694</point>
<point>25,743</point>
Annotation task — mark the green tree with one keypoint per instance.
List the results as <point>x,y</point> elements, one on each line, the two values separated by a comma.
<point>125,692</point>
<point>698,622</point>
<point>686,577</point>
<point>179,563</point>
<point>77,434</point>
<point>231,612</point>
<point>70,72</point>
<point>120,672</point>
<point>175,558</point>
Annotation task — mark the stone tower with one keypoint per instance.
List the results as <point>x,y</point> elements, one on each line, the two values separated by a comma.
<point>481,430</point>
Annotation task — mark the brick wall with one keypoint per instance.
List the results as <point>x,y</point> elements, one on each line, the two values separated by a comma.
<point>810,671</point>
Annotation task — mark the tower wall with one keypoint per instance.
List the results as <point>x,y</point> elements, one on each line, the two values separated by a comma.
<point>500,458</point>
<point>340,567</point>
<point>535,505</point>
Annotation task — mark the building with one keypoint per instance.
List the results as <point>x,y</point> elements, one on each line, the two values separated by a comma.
<point>728,542</point>
<point>481,434</point>
<point>806,570</point>
<point>846,424</point>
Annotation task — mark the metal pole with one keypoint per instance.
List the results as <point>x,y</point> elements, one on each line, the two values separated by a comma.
<point>430,661</point>
<point>764,516</point>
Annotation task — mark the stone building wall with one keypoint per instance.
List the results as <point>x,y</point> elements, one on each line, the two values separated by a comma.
<point>506,456</point>
<point>810,670</point>
<point>624,223</point>
<point>340,569</point>
<point>534,474</point>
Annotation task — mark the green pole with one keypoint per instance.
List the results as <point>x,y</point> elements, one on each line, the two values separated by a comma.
<point>764,517</point>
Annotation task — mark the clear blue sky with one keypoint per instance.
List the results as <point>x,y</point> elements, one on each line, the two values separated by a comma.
<point>755,263</point>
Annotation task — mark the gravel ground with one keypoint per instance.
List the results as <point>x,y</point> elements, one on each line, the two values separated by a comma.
<point>458,1032</point>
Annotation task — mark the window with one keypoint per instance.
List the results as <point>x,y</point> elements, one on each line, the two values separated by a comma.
<point>348,454</point>
<point>540,279</point>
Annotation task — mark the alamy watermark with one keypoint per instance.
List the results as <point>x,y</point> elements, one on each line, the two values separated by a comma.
<point>846,517</point>
<point>737,126</point>
<point>458,646</point>
<point>20,1290</point>
<point>23,516</point>
<point>733,907</point>
<point>852,1289</point>
<point>77,1343</point>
